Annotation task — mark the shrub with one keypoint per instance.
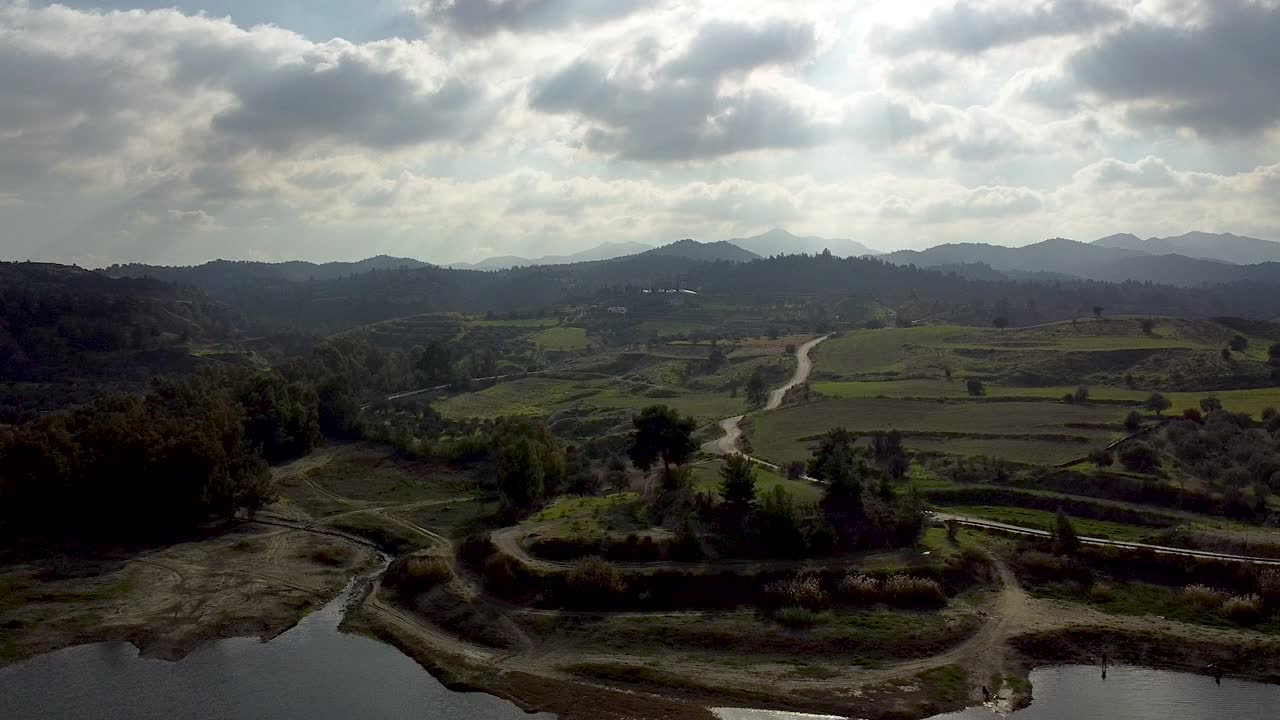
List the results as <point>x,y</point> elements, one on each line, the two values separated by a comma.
<point>421,573</point>
<point>858,589</point>
<point>908,591</point>
<point>1133,421</point>
<point>1139,458</point>
<point>595,581</point>
<point>1101,592</point>
<point>975,388</point>
<point>1269,587</point>
<point>1243,609</point>
<point>796,617</point>
<point>803,590</point>
<point>1203,596</point>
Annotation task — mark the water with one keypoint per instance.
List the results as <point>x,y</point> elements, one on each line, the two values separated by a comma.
<point>1078,692</point>
<point>311,672</point>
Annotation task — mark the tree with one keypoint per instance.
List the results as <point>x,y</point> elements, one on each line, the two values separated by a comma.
<point>1065,539</point>
<point>616,473</point>
<point>521,475</point>
<point>1148,325</point>
<point>975,387</point>
<point>1081,394</point>
<point>661,434</point>
<point>791,348</point>
<point>1133,421</point>
<point>1139,458</point>
<point>1157,403</point>
<point>1101,458</point>
<point>1097,311</point>
<point>1239,343</point>
<point>716,359</point>
<point>757,389</point>
<point>1000,322</point>
<point>1210,404</point>
<point>777,524</point>
<point>738,483</point>
<point>795,470</point>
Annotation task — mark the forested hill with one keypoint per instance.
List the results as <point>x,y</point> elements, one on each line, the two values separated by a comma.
<point>334,304</point>
<point>58,321</point>
<point>230,274</point>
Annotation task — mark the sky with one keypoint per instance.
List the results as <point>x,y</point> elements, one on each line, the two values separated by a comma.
<point>179,131</point>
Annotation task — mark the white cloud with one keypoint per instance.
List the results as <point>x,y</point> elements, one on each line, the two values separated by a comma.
<point>546,126</point>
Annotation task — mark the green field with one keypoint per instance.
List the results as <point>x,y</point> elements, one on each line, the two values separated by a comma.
<point>1043,520</point>
<point>706,478</point>
<point>1248,401</point>
<point>1178,355</point>
<point>562,339</point>
<point>542,322</point>
<point>1022,431</point>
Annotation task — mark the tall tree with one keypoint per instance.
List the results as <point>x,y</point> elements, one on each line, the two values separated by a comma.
<point>521,474</point>
<point>738,484</point>
<point>661,434</point>
<point>757,389</point>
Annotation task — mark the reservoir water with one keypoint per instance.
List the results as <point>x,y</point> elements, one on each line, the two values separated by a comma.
<point>315,672</point>
<point>311,672</point>
<point>1078,692</point>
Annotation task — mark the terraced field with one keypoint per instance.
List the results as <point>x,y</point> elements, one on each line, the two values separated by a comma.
<point>1041,432</point>
<point>1177,355</point>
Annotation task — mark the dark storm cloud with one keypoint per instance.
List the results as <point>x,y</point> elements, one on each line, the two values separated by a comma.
<point>963,29</point>
<point>486,17</point>
<point>1218,77</point>
<point>681,113</point>
<point>352,101</point>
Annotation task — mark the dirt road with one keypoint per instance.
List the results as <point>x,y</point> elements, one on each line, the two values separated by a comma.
<point>731,428</point>
<point>1161,549</point>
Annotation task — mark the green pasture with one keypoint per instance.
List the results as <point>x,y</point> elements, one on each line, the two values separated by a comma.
<point>706,478</point>
<point>562,339</point>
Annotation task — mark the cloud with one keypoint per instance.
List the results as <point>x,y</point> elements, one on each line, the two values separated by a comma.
<point>980,203</point>
<point>486,17</point>
<point>726,48</point>
<point>1216,77</point>
<point>139,96</point>
<point>680,110</point>
<point>965,28</point>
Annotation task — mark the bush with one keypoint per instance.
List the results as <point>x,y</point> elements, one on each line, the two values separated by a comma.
<point>908,591</point>
<point>1133,421</point>
<point>418,573</point>
<point>803,590</point>
<point>1243,609</point>
<point>1139,458</point>
<point>1269,587</point>
<point>595,582</point>
<point>975,388</point>
<point>796,617</point>
<point>858,590</point>
<point>1101,592</point>
<point>1203,596</point>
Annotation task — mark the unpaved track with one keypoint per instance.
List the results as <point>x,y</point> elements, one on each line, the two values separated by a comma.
<point>1103,542</point>
<point>731,428</point>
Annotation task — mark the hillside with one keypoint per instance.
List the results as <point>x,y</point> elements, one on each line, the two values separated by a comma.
<point>1117,260</point>
<point>224,273</point>
<point>694,250</point>
<point>605,251</point>
<point>1224,247</point>
<point>781,242</point>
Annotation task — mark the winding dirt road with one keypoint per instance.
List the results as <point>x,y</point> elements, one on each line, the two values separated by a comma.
<point>731,428</point>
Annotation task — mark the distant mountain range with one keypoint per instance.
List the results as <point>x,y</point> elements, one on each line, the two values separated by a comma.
<point>1226,247</point>
<point>1205,259</point>
<point>606,251</point>
<point>694,250</point>
<point>1192,259</point>
<point>780,242</point>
